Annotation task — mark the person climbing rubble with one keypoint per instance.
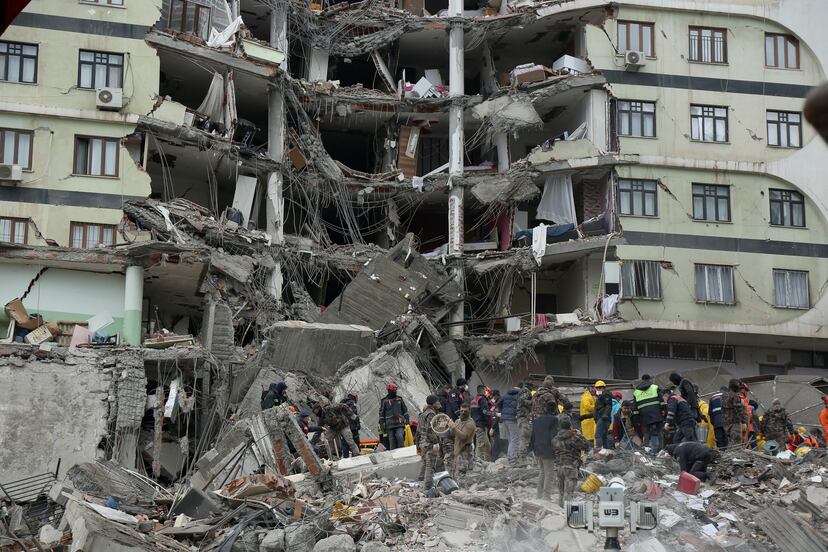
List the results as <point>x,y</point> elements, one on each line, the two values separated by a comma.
<point>694,458</point>
<point>544,429</point>
<point>680,418</point>
<point>336,419</point>
<point>734,415</point>
<point>689,392</point>
<point>587,411</point>
<point>456,398</point>
<point>306,425</point>
<point>524,419</point>
<point>776,424</point>
<point>427,441</point>
<point>648,403</point>
<point>568,445</point>
<point>464,431</point>
<point>507,407</point>
<point>717,418</point>
<point>275,395</point>
<point>393,417</point>
<point>602,416</point>
<point>481,413</point>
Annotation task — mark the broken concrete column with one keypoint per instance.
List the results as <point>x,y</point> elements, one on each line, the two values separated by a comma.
<point>317,65</point>
<point>133,304</point>
<point>303,448</point>
<point>131,401</point>
<point>218,331</point>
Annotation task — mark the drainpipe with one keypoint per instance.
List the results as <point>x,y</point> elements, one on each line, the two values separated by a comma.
<point>133,304</point>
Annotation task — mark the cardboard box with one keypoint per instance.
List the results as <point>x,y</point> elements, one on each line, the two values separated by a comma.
<point>39,335</point>
<point>17,312</point>
<point>297,158</point>
<point>529,72</point>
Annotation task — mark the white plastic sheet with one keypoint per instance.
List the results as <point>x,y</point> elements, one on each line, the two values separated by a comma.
<point>557,203</point>
<point>213,104</point>
<point>225,38</point>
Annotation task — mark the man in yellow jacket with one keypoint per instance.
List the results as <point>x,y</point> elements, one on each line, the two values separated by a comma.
<point>587,410</point>
<point>706,422</point>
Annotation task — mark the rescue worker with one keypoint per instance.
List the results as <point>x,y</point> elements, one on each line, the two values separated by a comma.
<point>393,417</point>
<point>823,419</point>
<point>524,419</point>
<point>624,430</point>
<point>456,398</point>
<point>567,446</point>
<point>709,430</point>
<point>447,450</point>
<point>743,392</point>
<point>544,429</point>
<point>776,425</point>
<point>428,443</point>
<point>694,458</point>
<point>350,401</point>
<point>688,392</point>
<point>305,424</point>
<point>603,416</point>
<point>680,417</point>
<point>647,410</point>
<point>507,408</point>
<point>549,394</point>
<point>801,437</point>
<point>481,413</point>
<point>275,395</point>
<point>464,429</point>
<point>717,419</point>
<point>734,415</point>
<point>336,419</point>
<point>499,443</point>
<point>587,410</point>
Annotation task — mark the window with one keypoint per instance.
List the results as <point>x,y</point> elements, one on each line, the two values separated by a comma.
<point>636,36</point>
<point>95,156</point>
<point>708,123</point>
<point>637,197</point>
<point>190,17</point>
<point>641,279</point>
<point>100,69</point>
<point>790,289</point>
<point>84,235</point>
<point>809,359</point>
<point>636,118</point>
<point>666,349</point>
<point>781,51</point>
<point>714,284</point>
<point>104,2</point>
<point>785,129</point>
<point>18,62</point>
<point>708,45</point>
<point>787,208</point>
<point>711,202</point>
<point>16,147</point>
<point>13,230</point>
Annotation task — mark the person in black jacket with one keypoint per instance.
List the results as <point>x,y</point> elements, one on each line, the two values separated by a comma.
<point>393,417</point>
<point>687,390</point>
<point>680,418</point>
<point>350,401</point>
<point>603,418</point>
<point>456,398</point>
<point>544,429</point>
<point>694,458</point>
<point>275,395</point>
<point>717,419</point>
<point>481,413</point>
<point>507,408</point>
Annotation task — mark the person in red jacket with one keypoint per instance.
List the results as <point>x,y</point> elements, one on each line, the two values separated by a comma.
<point>823,420</point>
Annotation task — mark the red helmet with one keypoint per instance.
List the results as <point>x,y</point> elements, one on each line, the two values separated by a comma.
<point>617,395</point>
<point>391,387</point>
<point>353,394</point>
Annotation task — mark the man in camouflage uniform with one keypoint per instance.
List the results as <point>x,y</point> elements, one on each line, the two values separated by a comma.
<point>427,441</point>
<point>776,425</point>
<point>464,429</point>
<point>734,414</point>
<point>547,394</point>
<point>524,419</point>
<point>568,445</point>
<point>336,419</point>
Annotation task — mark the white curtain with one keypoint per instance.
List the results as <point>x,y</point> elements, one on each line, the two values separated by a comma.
<point>557,203</point>
<point>791,288</point>
<point>213,104</point>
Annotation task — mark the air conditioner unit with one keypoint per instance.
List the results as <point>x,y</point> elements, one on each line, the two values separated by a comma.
<point>11,173</point>
<point>634,60</point>
<point>109,99</point>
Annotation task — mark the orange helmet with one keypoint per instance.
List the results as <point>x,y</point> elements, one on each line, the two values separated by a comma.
<point>391,387</point>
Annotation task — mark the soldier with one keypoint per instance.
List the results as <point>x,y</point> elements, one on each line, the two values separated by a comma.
<point>427,440</point>
<point>524,419</point>
<point>463,438</point>
<point>568,445</point>
<point>734,414</point>
<point>456,398</point>
<point>776,425</point>
<point>336,419</point>
<point>350,401</point>
<point>547,395</point>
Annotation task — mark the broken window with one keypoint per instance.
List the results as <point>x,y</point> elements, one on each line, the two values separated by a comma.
<point>784,129</point>
<point>96,156</point>
<point>787,208</point>
<point>637,37</point>
<point>781,51</point>
<point>13,230</point>
<point>708,45</point>
<point>100,69</point>
<point>636,118</point>
<point>18,62</point>
<point>190,17</point>
<point>790,289</point>
<point>84,235</point>
<point>16,147</point>
<point>641,280</point>
<point>637,197</point>
<point>711,202</point>
<point>714,284</point>
<point>708,123</point>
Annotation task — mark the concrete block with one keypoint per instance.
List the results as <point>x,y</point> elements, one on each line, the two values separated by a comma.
<point>273,541</point>
<point>300,538</point>
<point>49,534</point>
<point>457,539</point>
<point>352,462</point>
<point>195,504</point>
<point>405,452</point>
<point>336,543</point>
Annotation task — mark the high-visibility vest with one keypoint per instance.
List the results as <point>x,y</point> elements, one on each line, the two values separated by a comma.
<point>647,397</point>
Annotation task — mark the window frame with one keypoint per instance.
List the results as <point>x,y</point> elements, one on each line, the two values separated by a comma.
<point>104,140</point>
<point>643,193</point>
<point>36,57</point>
<point>782,201</point>
<point>702,117</point>
<point>94,63</point>
<point>704,195</point>
<point>85,235</point>
<point>788,271</point>
<point>645,266</point>
<point>17,133</point>
<point>630,113</point>
<point>778,123</point>
<point>641,25</point>
<point>110,3</point>
<point>707,301</point>
<point>14,222</point>
<point>199,7</point>
<point>698,50</point>
<point>789,39</point>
